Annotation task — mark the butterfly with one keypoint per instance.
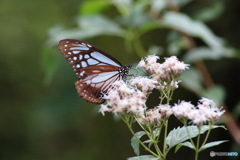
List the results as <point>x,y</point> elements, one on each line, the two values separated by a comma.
<point>96,70</point>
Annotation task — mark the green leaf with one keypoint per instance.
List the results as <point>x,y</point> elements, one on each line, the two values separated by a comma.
<point>184,23</point>
<point>156,132</point>
<point>211,144</point>
<point>135,141</point>
<point>50,62</point>
<point>87,29</point>
<point>137,15</point>
<point>192,80</point>
<point>210,13</point>
<point>93,7</point>
<point>179,135</point>
<point>124,6</point>
<point>216,93</point>
<point>205,53</point>
<point>177,148</point>
<point>187,144</point>
<point>158,5</point>
<point>144,157</point>
<point>181,3</point>
<point>149,143</point>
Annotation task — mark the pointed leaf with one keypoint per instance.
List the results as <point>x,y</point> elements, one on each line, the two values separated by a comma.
<point>211,144</point>
<point>145,157</point>
<point>202,53</point>
<point>135,141</point>
<point>149,143</point>
<point>87,29</point>
<point>187,144</point>
<point>156,132</point>
<point>184,23</point>
<point>177,148</point>
<point>180,135</point>
<point>209,13</point>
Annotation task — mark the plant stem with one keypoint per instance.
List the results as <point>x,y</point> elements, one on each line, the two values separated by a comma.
<point>150,134</point>
<point>205,140</point>
<point>144,146</point>
<point>185,124</point>
<point>164,138</point>
<point>197,145</point>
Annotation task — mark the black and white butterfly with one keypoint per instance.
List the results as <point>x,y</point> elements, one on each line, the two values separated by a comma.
<point>96,70</point>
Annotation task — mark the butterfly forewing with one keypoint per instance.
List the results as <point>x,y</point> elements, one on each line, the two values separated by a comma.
<point>95,69</point>
<point>81,55</point>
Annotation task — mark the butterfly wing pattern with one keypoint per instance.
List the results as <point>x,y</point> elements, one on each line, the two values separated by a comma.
<point>96,70</point>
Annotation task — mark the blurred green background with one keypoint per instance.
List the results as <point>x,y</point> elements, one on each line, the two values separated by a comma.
<point>41,114</point>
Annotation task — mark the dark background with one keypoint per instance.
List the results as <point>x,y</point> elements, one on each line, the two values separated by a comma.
<point>46,119</point>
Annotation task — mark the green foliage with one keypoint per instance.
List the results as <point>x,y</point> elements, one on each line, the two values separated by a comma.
<point>135,141</point>
<point>93,7</point>
<point>179,135</point>
<point>211,144</point>
<point>145,157</point>
<point>192,80</point>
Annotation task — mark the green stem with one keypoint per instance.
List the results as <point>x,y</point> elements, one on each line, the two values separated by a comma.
<point>164,139</point>
<point>150,134</point>
<point>185,124</point>
<point>144,146</point>
<point>208,133</point>
<point>155,143</point>
<point>197,145</point>
<point>196,155</point>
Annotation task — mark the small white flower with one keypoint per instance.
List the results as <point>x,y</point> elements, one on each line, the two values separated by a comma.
<point>104,108</point>
<point>174,84</point>
<point>151,117</point>
<point>165,110</point>
<point>182,109</point>
<point>149,63</point>
<point>209,109</point>
<point>144,84</point>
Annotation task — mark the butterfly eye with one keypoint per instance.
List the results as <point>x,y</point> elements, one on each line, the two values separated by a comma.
<point>96,70</point>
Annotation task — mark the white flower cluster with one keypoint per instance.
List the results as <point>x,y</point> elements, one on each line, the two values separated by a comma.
<point>205,111</point>
<point>163,72</point>
<point>155,115</point>
<point>144,84</point>
<point>130,97</point>
<point>151,117</point>
<point>123,98</point>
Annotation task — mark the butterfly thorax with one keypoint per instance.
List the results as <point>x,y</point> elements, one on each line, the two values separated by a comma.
<point>123,71</point>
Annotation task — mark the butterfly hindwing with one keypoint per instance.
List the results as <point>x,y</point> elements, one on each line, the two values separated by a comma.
<point>92,87</point>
